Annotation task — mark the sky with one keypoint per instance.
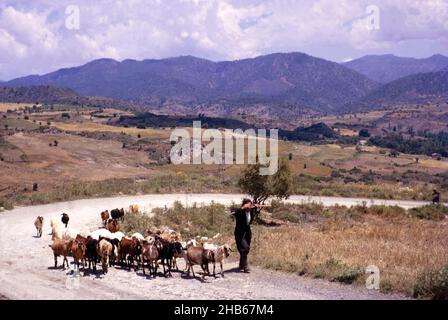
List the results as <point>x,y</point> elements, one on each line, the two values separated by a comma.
<point>41,36</point>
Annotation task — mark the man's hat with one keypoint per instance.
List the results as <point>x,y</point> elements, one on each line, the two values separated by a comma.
<point>246,200</point>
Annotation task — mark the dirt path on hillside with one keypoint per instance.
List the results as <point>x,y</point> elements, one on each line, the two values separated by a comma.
<point>26,262</point>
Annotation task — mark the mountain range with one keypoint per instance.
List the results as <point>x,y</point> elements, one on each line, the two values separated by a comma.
<point>387,68</point>
<point>282,85</point>
<point>283,78</point>
<point>431,87</point>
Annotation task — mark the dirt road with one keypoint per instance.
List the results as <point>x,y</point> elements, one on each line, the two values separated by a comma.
<point>26,262</point>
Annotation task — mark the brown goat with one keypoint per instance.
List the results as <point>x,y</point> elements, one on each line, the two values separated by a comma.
<point>79,249</point>
<point>82,239</point>
<point>61,247</point>
<point>199,256</point>
<point>105,216</point>
<point>133,208</point>
<point>104,250</point>
<point>129,249</point>
<point>150,254</point>
<point>39,223</point>
<point>113,225</point>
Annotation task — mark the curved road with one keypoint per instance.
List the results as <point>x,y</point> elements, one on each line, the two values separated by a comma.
<point>26,262</point>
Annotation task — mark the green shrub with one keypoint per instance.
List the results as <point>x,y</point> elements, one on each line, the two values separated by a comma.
<point>430,212</point>
<point>336,270</point>
<point>386,211</point>
<point>432,284</point>
<point>296,213</point>
<point>191,221</point>
<point>5,203</point>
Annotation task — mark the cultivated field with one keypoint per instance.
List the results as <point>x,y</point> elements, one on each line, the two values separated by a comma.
<point>95,127</point>
<point>4,106</point>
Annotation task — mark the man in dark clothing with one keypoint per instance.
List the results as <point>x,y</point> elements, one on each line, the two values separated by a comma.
<point>435,197</point>
<point>244,217</point>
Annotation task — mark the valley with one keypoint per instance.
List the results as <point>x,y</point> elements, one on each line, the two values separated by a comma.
<point>76,151</point>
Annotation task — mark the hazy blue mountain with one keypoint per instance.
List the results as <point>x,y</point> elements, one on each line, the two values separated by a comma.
<point>282,78</point>
<point>413,89</point>
<point>386,68</point>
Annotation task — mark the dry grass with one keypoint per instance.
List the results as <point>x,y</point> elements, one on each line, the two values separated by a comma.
<point>4,106</point>
<point>308,185</point>
<point>75,158</point>
<point>96,127</point>
<point>350,119</point>
<point>348,132</point>
<point>157,183</point>
<point>341,246</point>
<point>336,243</point>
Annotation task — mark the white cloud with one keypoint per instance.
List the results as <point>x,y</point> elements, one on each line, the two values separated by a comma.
<point>33,37</point>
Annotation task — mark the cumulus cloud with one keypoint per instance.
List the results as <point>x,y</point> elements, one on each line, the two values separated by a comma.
<point>34,37</point>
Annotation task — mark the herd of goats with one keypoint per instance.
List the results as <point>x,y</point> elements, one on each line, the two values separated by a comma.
<point>110,246</point>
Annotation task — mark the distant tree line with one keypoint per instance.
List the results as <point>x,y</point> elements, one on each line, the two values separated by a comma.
<point>315,132</point>
<point>427,144</point>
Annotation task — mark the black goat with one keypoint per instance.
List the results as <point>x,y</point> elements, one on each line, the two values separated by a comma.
<point>166,252</point>
<point>117,214</point>
<point>65,218</point>
<point>92,253</point>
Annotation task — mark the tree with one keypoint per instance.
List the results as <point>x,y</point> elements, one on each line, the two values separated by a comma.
<point>254,184</point>
<point>394,153</point>
<point>261,187</point>
<point>364,133</point>
<point>281,181</point>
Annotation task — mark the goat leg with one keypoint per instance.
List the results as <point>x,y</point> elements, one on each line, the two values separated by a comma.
<point>163,264</point>
<point>136,263</point>
<point>63,262</point>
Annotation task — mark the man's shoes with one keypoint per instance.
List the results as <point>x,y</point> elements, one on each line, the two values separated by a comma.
<point>246,270</point>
